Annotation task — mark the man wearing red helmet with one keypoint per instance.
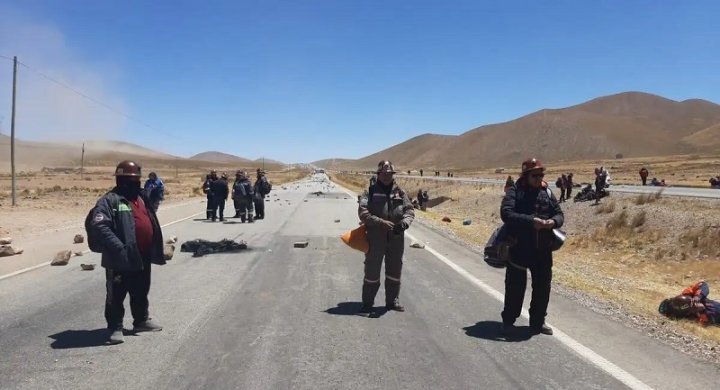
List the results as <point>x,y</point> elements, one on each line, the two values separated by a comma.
<point>530,212</point>
<point>130,239</point>
<point>386,212</point>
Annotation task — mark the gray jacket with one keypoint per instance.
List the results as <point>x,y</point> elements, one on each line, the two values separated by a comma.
<point>377,205</point>
<point>114,222</point>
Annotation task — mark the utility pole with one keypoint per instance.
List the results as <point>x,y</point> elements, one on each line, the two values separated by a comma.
<point>12,131</point>
<point>82,162</point>
<point>263,168</point>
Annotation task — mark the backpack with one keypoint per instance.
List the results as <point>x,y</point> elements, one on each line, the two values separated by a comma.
<point>94,240</point>
<point>497,249</point>
<point>558,183</point>
<point>266,187</point>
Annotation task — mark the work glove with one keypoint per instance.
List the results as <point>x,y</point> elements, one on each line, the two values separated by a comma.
<point>400,227</point>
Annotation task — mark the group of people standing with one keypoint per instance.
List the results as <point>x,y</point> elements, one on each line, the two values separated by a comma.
<point>248,198</point>
<point>565,184</point>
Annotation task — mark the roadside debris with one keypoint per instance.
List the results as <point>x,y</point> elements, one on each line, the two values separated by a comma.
<point>467,222</point>
<point>417,245</point>
<point>168,252</point>
<point>171,240</point>
<point>317,193</point>
<point>78,253</point>
<point>62,258</point>
<point>9,250</point>
<point>87,267</point>
<point>200,247</point>
<point>79,239</point>
<point>301,244</point>
<point>337,221</point>
<point>446,219</point>
<point>5,241</point>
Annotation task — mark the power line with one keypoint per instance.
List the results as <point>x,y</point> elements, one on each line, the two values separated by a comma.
<point>92,99</point>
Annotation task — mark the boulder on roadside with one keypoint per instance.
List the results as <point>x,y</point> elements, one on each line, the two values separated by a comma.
<point>87,267</point>
<point>418,245</point>
<point>446,219</point>
<point>79,239</point>
<point>171,240</point>
<point>9,250</point>
<point>62,258</point>
<point>5,241</point>
<point>168,252</point>
<point>78,253</point>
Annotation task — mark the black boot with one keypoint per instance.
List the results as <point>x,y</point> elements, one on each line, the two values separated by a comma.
<point>392,291</point>
<point>369,290</point>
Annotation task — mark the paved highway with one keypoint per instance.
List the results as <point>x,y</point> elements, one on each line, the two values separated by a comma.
<point>278,317</point>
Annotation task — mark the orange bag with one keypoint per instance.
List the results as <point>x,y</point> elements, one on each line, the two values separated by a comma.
<point>357,239</point>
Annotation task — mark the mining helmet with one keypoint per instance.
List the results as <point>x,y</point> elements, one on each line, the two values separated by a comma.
<point>128,168</point>
<point>680,306</point>
<point>531,164</point>
<point>385,166</point>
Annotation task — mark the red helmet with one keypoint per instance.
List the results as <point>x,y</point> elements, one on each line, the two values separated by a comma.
<point>128,168</point>
<point>385,166</point>
<point>531,164</point>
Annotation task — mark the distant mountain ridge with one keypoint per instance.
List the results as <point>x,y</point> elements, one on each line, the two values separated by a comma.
<point>633,124</point>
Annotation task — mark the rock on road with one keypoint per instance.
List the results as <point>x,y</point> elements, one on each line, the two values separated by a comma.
<point>279,317</point>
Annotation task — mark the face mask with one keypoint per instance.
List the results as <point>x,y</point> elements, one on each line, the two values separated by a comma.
<point>128,188</point>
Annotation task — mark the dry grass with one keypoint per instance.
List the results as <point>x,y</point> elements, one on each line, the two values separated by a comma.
<point>605,208</point>
<point>648,198</point>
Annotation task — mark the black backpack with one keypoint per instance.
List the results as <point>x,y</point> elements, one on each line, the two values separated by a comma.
<point>266,187</point>
<point>94,240</point>
<point>497,249</point>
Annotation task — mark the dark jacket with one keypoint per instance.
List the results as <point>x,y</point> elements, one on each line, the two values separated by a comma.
<point>520,206</point>
<point>243,190</point>
<point>260,187</point>
<point>116,225</point>
<point>379,205</point>
<point>220,189</point>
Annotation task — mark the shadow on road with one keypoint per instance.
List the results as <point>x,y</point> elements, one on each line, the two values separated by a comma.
<point>492,330</point>
<point>352,308</point>
<point>79,339</point>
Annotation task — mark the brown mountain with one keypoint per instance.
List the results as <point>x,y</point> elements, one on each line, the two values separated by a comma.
<point>632,124</point>
<point>220,157</point>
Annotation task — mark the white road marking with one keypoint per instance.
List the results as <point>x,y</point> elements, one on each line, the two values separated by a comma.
<point>34,267</point>
<point>583,351</point>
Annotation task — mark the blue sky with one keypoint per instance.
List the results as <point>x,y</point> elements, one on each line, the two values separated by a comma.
<point>303,80</point>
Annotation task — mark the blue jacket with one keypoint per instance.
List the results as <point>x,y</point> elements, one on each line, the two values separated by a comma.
<point>155,189</point>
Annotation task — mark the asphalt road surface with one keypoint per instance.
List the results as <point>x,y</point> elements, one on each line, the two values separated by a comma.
<point>279,317</point>
<point>689,192</point>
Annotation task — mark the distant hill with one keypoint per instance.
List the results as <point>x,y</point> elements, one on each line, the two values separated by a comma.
<point>633,124</point>
<point>268,161</point>
<point>220,157</point>
<point>334,163</point>
<point>33,155</point>
<point>707,140</point>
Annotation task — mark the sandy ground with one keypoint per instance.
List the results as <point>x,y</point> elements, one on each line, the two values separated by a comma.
<point>53,200</point>
<point>629,252</point>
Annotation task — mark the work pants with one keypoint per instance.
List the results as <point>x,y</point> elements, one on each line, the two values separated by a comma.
<point>118,286</point>
<point>515,284</point>
<point>390,247</point>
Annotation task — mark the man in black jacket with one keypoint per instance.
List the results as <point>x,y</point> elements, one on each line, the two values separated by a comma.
<point>243,194</point>
<point>262,187</point>
<point>131,239</point>
<point>220,191</point>
<point>530,212</point>
<point>209,179</point>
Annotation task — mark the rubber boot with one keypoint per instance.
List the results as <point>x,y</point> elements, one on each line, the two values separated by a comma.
<point>250,218</point>
<point>392,291</point>
<point>369,290</point>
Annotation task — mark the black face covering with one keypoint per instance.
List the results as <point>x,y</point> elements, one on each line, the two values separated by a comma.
<point>128,187</point>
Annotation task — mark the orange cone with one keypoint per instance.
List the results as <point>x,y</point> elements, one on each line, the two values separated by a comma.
<point>357,239</point>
